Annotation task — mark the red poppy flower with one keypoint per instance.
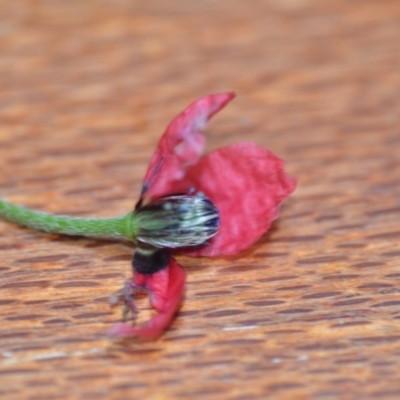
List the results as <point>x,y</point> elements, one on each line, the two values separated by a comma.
<point>245,182</point>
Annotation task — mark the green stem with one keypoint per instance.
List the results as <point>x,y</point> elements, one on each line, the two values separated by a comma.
<point>117,227</point>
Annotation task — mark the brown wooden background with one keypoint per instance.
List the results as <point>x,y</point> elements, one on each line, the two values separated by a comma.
<point>310,312</point>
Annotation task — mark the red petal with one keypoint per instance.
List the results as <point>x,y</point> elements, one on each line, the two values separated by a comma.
<point>247,183</point>
<point>166,290</point>
<point>181,145</point>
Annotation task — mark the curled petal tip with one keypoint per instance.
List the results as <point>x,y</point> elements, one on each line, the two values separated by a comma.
<point>181,145</point>
<point>123,331</point>
<point>120,331</point>
<point>166,289</point>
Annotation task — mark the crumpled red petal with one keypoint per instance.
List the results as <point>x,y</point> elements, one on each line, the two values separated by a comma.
<point>247,183</point>
<point>166,289</point>
<point>181,145</point>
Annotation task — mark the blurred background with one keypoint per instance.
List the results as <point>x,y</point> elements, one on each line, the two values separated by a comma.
<point>312,311</point>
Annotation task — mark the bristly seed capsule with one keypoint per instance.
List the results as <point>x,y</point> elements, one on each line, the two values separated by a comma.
<point>177,221</point>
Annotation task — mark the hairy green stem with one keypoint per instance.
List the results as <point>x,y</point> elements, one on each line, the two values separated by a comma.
<point>118,227</point>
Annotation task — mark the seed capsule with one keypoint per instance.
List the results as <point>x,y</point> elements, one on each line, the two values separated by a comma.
<point>177,221</point>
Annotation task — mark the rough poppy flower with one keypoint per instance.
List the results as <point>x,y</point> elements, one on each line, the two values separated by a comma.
<point>216,204</point>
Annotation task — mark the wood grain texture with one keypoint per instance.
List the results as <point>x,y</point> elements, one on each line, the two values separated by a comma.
<point>312,311</point>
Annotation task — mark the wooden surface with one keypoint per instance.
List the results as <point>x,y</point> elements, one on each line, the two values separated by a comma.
<point>312,311</point>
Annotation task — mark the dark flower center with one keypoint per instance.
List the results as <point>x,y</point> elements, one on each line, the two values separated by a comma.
<point>177,221</point>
